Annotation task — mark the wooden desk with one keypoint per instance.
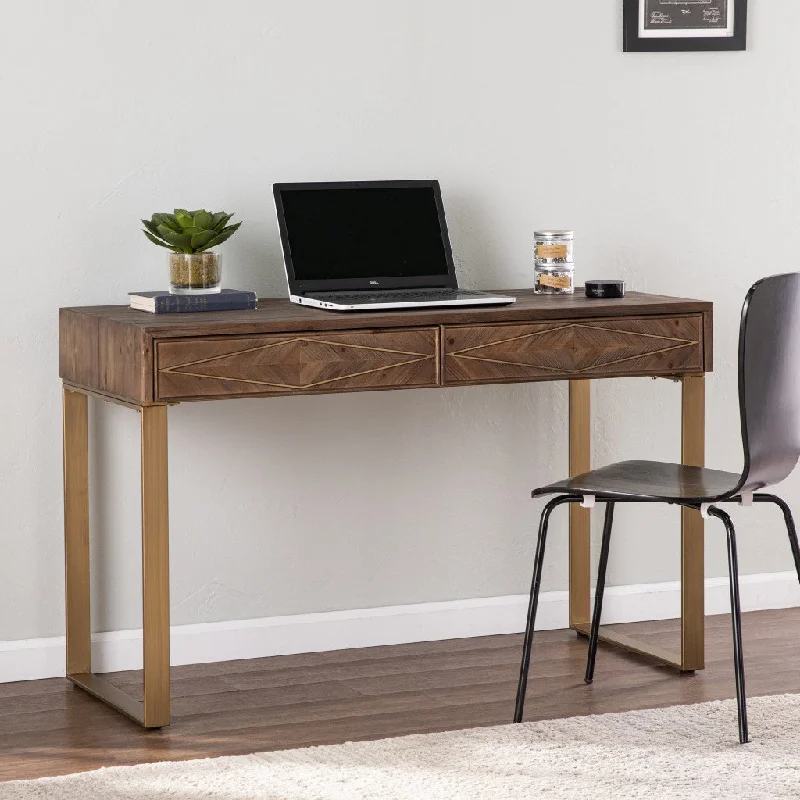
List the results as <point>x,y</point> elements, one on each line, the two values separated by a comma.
<point>148,362</point>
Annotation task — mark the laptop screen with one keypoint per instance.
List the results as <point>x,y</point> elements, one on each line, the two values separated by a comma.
<point>356,233</point>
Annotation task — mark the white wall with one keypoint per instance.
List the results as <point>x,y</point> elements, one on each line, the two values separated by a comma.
<point>678,172</point>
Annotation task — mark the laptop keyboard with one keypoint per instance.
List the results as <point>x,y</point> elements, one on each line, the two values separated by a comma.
<point>395,296</point>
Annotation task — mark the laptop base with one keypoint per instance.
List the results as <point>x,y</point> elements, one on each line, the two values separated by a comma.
<point>399,298</point>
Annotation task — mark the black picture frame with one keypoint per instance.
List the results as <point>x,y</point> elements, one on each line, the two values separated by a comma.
<point>633,43</point>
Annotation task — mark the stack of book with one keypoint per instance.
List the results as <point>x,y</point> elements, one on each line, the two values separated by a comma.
<point>166,303</point>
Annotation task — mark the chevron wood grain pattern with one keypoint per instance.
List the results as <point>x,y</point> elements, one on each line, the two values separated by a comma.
<point>297,363</point>
<point>111,350</point>
<point>573,349</point>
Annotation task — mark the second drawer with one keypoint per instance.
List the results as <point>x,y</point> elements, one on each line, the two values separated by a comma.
<point>573,349</point>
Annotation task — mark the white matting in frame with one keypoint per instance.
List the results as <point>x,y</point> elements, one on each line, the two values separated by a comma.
<point>663,19</point>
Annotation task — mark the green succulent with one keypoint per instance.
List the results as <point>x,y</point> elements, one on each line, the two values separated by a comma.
<point>189,231</point>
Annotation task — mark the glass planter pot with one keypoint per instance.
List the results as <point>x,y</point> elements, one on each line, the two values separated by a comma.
<point>195,273</point>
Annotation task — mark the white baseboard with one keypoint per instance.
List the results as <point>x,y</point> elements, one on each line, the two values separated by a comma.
<point>31,659</point>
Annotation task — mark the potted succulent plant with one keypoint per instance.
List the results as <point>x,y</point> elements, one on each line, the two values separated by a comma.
<point>190,235</point>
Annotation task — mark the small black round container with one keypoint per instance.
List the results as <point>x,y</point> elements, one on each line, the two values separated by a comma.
<point>605,287</point>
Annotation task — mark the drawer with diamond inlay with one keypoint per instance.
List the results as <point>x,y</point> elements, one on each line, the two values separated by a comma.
<point>218,367</point>
<point>564,349</point>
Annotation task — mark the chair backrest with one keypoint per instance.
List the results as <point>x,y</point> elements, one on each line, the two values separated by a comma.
<point>769,380</point>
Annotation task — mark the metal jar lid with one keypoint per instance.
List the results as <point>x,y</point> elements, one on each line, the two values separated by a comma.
<point>554,234</point>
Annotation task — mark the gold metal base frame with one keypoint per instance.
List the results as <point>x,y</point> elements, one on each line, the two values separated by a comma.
<point>154,710</point>
<point>692,655</point>
<point>631,645</point>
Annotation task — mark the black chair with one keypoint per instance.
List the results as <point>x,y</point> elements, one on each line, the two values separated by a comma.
<point>769,404</point>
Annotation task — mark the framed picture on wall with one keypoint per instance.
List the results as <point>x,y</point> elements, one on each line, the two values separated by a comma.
<point>681,25</point>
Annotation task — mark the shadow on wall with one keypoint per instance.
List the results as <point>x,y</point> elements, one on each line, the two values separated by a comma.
<point>479,264</point>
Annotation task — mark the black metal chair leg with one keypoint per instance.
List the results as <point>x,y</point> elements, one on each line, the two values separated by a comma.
<point>534,602</point>
<point>598,594</point>
<point>736,619</point>
<point>790,526</point>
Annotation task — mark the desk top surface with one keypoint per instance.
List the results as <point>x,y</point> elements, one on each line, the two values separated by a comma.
<point>279,315</point>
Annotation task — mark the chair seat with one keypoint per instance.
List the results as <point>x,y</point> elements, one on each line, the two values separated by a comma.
<point>651,480</point>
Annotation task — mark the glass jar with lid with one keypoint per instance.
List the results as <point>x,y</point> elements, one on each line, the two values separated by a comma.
<point>554,267</point>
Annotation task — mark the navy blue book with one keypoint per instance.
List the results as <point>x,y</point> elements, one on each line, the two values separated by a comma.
<point>166,303</point>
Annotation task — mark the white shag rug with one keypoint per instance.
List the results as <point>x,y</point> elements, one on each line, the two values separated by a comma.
<point>679,752</point>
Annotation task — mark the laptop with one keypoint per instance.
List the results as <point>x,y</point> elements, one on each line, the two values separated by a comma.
<point>362,246</point>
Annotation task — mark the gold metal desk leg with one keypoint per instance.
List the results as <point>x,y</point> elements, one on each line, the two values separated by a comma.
<point>580,460</point>
<point>76,532</point>
<point>693,423</point>
<point>692,572</point>
<point>154,711</point>
<point>155,566</point>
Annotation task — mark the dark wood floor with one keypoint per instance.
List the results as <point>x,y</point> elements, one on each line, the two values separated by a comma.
<point>49,728</point>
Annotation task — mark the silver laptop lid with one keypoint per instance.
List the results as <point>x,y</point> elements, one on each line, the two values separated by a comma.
<point>364,235</point>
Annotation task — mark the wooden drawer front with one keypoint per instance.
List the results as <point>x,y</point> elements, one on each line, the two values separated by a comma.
<point>297,363</point>
<point>590,348</point>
